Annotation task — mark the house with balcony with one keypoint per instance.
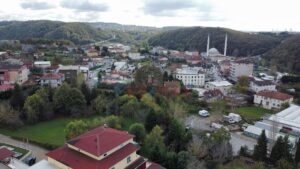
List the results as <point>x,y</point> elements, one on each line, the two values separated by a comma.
<point>11,74</point>
<point>52,79</point>
<point>272,99</point>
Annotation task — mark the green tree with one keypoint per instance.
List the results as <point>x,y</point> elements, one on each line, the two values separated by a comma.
<point>99,104</point>
<point>17,99</point>
<point>75,128</point>
<point>297,154</point>
<point>149,100</point>
<point>85,90</point>
<point>242,84</point>
<point>68,100</point>
<point>113,122</point>
<point>284,164</point>
<point>139,131</point>
<point>260,149</point>
<point>9,117</point>
<point>182,159</point>
<point>34,107</point>
<point>154,146</point>
<point>281,150</point>
<point>176,138</point>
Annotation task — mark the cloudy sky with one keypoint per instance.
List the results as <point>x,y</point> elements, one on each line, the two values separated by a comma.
<point>249,15</point>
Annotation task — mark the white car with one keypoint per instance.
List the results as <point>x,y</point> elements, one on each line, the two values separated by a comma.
<point>204,113</point>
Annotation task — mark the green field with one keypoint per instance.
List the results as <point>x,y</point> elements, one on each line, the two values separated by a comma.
<point>16,149</point>
<point>251,114</point>
<point>49,134</point>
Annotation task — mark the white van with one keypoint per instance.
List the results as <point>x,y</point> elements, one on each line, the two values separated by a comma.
<point>204,113</point>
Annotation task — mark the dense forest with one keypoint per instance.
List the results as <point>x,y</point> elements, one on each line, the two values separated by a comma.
<point>195,38</point>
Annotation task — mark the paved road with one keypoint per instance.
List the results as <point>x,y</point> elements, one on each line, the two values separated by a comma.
<point>37,151</point>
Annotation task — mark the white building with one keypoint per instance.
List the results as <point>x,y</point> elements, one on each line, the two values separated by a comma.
<point>240,68</point>
<point>260,85</point>
<point>52,79</point>
<point>272,99</point>
<point>191,76</point>
<point>223,86</point>
<point>42,64</point>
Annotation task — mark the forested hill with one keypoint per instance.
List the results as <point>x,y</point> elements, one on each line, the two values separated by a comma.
<point>75,32</point>
<point>286,56</point>
<point>195,38</point>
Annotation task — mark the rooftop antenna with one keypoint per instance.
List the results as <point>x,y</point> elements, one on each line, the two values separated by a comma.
<point>207,48</point>
<point>225,45</point>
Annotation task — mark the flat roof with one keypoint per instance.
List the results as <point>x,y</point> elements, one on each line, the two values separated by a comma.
<point>220,83</point>
<point>289,116</point>
<point>43,165</point>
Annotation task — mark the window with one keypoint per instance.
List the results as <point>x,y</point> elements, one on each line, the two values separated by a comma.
<point>128,159</point>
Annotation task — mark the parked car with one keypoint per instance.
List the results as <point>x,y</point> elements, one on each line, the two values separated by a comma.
<point>204,113</point>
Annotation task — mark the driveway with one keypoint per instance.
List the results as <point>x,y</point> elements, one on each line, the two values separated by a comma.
<point>37,151</point>
<point>238,140</point>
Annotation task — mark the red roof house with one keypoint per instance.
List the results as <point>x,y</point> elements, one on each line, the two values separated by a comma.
<point>100,148</point>
<point>5,154</point>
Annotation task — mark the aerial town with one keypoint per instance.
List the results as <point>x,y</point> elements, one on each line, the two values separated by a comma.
<point>96,95</point>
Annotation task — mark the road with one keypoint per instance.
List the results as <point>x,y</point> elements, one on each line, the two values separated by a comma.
<point>37,151</point>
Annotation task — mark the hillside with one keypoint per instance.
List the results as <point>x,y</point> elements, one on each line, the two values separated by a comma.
<point>76,32</point>
<point>286,56</point>
<point>195,38</point>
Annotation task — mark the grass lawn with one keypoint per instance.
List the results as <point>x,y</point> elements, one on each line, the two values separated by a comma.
<point>50,133</point>
<point>16,149</point>
<point>251,114</point>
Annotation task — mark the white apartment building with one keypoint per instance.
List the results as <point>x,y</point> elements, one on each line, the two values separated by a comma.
<point>223,86</point>
<point>261,85</point>
<point>42,64</point>
<point>240,68</point>
<point>272,99</point>
<point>191,76</point>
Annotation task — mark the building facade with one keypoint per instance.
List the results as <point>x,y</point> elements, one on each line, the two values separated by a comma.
<point>11,74</point>
<point>52,79</point>
<point>272,99</point>
<point>257,86</point>
<point>240,68</point>
<point>191,76</point>
<point>223,86</point>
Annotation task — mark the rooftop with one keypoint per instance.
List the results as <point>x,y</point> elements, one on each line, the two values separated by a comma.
<point>100,140</point>
<point>52,76</point>
<point>274,95</point>
<point>77,160</point>
<point>189,71</point>
<point>5,153</point>
<point>220,83</point>
<point>289,116</point>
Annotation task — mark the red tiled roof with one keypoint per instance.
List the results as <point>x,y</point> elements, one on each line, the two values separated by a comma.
<point>77,160</point>
<point>100,140</point>
<point>5,153</point>
<point>274,95</point>
<point>52,76</point>
<point>6,87</point>
<point>155,166</point>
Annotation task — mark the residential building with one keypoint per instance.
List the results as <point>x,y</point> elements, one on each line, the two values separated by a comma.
<point>70,71</point>
<point>260,85</point>
<point>223,86</point>
<point>6,87</point>
<point>11,74</point>
<point>52,79</point>
<point>272,99</point>
<point>191,76</point>
<point>240,68</point>
<point>102,147</point>
<point>42,64</point>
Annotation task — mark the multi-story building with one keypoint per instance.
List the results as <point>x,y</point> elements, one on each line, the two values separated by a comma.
<point>191,76</point>
<point>52,79</point>
<point>223,86</point>
<point>70,71</point>
<point>100,148</point>
<point>260,85</point>
<point>272,99</point>
<point>240,68</point>
<point>11,74</point>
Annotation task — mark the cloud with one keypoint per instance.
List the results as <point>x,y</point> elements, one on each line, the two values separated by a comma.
<point>36,5</point>
<point>84,6</point>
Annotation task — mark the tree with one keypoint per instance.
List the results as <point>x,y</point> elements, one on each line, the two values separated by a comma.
<point>99,105</point>
<point>149,100</point>
<point>297,154</point>
<point>113,122</point>
<point>260,150</point>
<point>152,119</point>
<point>281,150</point>
<point>9,117</point>
<point>165,76</point>
<point>75,128</point>
<point>154,146</point>
<point>86,92</point>
<point>242,84</point>
<point>68,100</point>
<point>17,99</point>
<point>148,76</point>
<point>182,159</point>
<point>284,164</point>
<point>34,107</point>
<point>139,131</point>
<point>176,137</point>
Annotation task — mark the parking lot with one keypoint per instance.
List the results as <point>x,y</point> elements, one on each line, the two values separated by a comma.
<point>237,138</point>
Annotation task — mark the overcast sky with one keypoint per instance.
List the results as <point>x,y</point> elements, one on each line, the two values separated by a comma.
<point>249,15</point>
